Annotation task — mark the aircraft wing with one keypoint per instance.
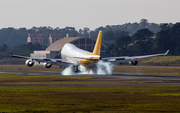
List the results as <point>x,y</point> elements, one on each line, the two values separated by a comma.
<point>37,59</point>
<point>127,58</point>
<point>59,62</point>
<point>144,56</point>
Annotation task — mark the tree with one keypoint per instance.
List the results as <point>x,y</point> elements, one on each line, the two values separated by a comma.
<point>165,26</point>
<point>107,36</point>
<point>119,33</point>
<point>142,35</point>
<point>163,41</point>
<point>144,23</point>
<point>109,49</point>
<point>143,42</point>
<point>4,48</point>
<point>26,49</point>
<point>121,45</point>
<point>85,32</point>
<point>134,27</point>
<point>154,28</point>
<point>174,33</point>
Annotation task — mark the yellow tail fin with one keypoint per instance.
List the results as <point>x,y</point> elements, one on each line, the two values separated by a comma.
<point>97,47</point>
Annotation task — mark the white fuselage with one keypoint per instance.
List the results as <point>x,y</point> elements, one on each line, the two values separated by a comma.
<point>72,53</point>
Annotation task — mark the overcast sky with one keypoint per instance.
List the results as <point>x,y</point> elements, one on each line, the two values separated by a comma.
<point>85,13</point>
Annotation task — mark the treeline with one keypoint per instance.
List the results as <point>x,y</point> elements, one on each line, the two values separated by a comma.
<point>127,39</point>
<point>131,28</point>
<point>14,37</point>
<point>112,32</point>
<point>145,42</point>
<point>23,49</point>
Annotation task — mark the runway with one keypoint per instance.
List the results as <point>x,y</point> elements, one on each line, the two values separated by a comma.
<point>161,79</point>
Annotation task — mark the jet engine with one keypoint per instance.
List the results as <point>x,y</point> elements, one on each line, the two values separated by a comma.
<point>47,64</point>
<point>29,63</point>
<point>134,62</point>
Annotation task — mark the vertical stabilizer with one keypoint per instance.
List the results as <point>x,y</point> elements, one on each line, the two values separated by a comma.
<point>97,47</point>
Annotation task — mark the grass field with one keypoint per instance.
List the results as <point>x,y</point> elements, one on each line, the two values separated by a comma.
<point>147,70</point>
<point>75,98</point>
<point>28,94</point>
<point>26,68</point>
<point>161,61</point>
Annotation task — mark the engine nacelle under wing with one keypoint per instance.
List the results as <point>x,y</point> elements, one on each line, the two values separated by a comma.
<point>29,63</point>
<point>134,62</point>
<point>47,64</point>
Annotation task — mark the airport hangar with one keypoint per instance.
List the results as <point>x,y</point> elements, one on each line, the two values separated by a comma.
<point>54,50</point>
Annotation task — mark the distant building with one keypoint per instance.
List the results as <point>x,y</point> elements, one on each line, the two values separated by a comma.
<point>54,37</point>
<point>35,38</point>
<point>44,54</point>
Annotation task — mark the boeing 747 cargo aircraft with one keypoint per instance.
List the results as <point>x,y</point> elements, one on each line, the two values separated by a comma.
<point>72,55</point>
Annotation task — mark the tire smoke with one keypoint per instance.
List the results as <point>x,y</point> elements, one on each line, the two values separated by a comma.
<point>100,68</point>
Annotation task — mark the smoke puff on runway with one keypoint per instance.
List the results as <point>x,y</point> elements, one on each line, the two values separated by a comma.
<point>100,68</point>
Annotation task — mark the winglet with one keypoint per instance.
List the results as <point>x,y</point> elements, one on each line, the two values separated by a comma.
<point>167,52</point>
<point>97,47</point>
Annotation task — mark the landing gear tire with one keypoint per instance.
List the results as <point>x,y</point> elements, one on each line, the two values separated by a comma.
<point>76,69</point>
